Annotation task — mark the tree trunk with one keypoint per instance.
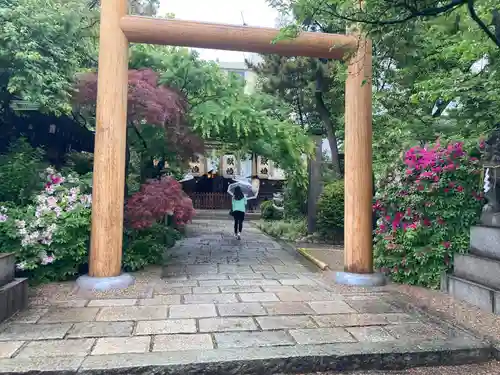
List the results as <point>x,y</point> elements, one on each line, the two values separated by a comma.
<point>330,132</point>
<point>315,186</point>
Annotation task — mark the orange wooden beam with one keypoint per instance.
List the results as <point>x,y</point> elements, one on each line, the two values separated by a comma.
<point>234,38</point>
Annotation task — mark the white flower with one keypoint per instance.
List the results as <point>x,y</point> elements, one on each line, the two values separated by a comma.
<point>3,209</point>
<point>21,266</point>
<point>48,260</point>
<point>52,202</point>
<point>50,170</point>
<point>20,224</point>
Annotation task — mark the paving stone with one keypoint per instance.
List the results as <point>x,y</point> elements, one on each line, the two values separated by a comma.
<point>331,307</point>
<point>114,345</point>
<point>56,348</point>
<point>279,289</point>
<point>166,289</point>
<point>321,336</point>
<point>111,302</point>
<point>279,276</point>
<point>287,308</point>
<point>308,296</point>
<point>226,324</point>
<point>172,299</point>
<point>165,343</point>
<point>100,329</point>
<point>399,318</point>
<point>370,334</point>
<point>313,288</point>
<point>66,315</point>
<point>206,290</point>
<point>299,281</point>
<point>415,331</point>
<point>14,331</point>
<point>181,284</point>
<point>247,339</point>
<point>349,320</point>
<point>241,309</point>
<point>284,322</point>
<point>258,297</point>
<point>31,315</point>
<point>213,276</point>
<point>263,282</point>
<point>234,268</point>
<point>217,282</point>
<point>8,348</point>
<point>240,289</point>
<point>373,307</point>
<point>70,303</point>
<point>160,327</point>
<point>192,311</point>
<point>246,276</point>
<point>263,268</point>
<point>124,313</point>
<point>209,298</point>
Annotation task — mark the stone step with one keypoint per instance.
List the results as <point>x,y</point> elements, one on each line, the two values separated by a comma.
<point>485,242</point>
<point>486,298</point>
<point>7,268</point>
<point>478,269</point>
<point>13,298</point>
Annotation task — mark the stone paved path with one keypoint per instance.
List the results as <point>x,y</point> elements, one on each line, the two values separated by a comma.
<point>226,306</point>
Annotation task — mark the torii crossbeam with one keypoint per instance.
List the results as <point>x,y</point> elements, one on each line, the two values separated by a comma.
<point>118,28</point>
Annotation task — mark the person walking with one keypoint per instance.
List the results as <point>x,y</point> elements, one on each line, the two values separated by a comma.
<point>239,203</point>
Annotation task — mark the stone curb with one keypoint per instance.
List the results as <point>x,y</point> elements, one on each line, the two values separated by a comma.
<point>267,360</point>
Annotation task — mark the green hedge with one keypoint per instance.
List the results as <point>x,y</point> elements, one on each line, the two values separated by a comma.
<point>330,210</point>
<point>269,212</point>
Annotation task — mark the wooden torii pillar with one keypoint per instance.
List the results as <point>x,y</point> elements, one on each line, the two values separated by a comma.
<point>117,29</point>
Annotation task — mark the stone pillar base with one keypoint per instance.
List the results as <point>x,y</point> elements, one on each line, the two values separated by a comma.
<point>103,284</point>
<point>360,279</point>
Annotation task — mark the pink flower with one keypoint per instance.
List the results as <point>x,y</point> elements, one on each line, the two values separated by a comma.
<point>460,188</point>
<point>446,245</point>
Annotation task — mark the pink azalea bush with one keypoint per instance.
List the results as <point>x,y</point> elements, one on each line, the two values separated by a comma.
<point>50,236</point>
<point>425,208</point>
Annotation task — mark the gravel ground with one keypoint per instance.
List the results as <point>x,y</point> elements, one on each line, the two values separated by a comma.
<point>491,368</point>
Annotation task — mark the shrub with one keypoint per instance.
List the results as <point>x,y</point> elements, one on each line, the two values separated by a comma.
<point>269,212</point>
<point>295,198</point>
<point>147,246</point>
<point>288,230</point>
<point>20,169</point>
<point>426,207</point>
<point>51,236</point>
<point>157,199</point>
<point>330,210</point>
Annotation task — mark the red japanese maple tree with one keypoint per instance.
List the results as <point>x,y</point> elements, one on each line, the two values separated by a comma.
<point>156,199</point>
<point>149,103</point>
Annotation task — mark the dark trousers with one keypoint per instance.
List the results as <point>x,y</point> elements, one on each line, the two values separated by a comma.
<point>238,221</point>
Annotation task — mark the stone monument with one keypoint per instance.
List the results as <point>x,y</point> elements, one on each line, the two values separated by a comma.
<point>476,275</point>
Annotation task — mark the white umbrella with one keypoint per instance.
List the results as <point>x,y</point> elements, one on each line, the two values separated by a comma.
<point>187,177</point>
<point>246,188</point>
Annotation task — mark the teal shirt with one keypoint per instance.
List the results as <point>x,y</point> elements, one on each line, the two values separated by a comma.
<point>240,205</point>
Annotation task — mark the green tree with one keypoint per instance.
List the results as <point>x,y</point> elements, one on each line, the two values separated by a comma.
<point>219,109</point>
<point>312,88</point>
<point>43,44</point>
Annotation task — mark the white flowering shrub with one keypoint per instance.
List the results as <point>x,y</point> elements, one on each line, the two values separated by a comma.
<point>51,235</point>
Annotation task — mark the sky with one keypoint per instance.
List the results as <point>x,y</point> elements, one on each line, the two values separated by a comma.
<point>255,13</point>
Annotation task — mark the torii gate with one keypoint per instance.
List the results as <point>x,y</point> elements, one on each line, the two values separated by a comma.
<point>118,28</point>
